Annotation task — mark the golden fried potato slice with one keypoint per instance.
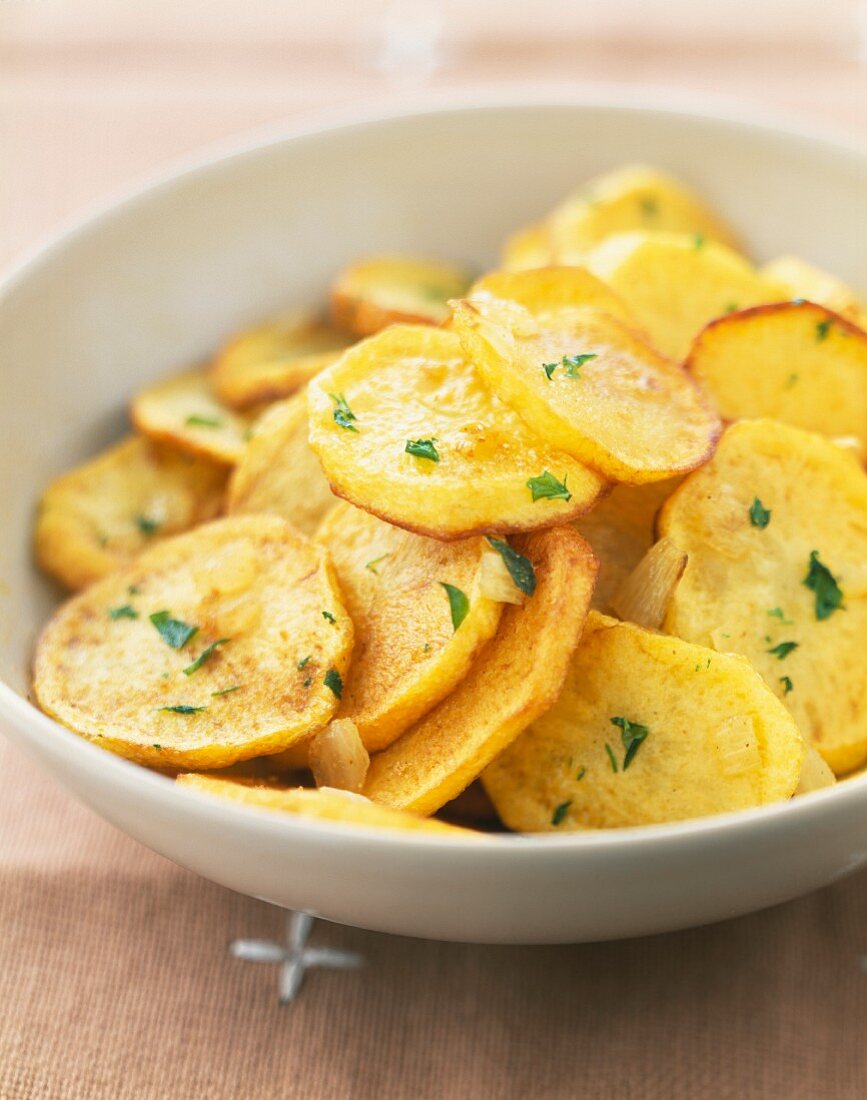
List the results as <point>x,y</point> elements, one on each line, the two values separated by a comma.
<point>409,654</point>
<point>184,412</point>
<point>323,804</point>
<point>550,289</point>
<point>675,284</point>
<point>795,362</point>
<point>804,280</point>
<point>515,679</point>
<point>587,384</point>
<point>274,359</point>
<point>279,473</point>
<point>775,527</point>
<point>528,248</point>
<point>405,428</point>
<point>385,290</point>
<point>100,515</point>
<point>647,729</point>
<point>222,644</point>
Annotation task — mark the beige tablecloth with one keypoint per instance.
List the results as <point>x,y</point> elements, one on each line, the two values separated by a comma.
<point>115,980</point>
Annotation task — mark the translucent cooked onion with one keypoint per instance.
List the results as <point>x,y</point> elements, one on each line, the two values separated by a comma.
<point>643,597</point>
<point>337,756</point>
<point>495,581</point>
<point>737,746</point>
<point>815,773</point>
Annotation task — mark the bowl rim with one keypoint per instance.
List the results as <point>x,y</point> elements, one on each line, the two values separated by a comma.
<point>33,725</point>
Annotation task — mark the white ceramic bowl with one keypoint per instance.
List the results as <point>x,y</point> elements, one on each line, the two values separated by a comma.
<point>155,281</point>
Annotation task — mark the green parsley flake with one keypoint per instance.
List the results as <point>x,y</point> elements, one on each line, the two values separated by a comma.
<point>549,369</point>
<point>304,662</point>
<point>205,655</point>
<point>731,307</point>
<point>582,771</point>
<point>782,651</point>
<point>182,708</point>
<point>159,748</point>
<point>334,681</point>
<point>423,448</point>
<point>147,526</point>
<point>547,487</point>
<point>760,516</point>
<point>459,605</point>
<point>611,757</point>
<point>172,631</point>
<point>328,617</point>
<point>787,684</point>
<point>778,613</point>
<point>225,691</point>
<point>197,421</point>
<point>371,565</point>
<point>520,568</point>
<point>571,364</point>
<point>308,681</point>
<point>125,612</point>
<point>559,814</point>
<point>343,415</point>
<point>791,380</point>
<point>133,590</point>
<point>823,328</point>
<point>699,241</point>
<point>820,579</point>
<point>632,735</point>
<point>649,206</point>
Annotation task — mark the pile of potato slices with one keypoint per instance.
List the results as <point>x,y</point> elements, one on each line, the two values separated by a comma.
<point>578,544</point>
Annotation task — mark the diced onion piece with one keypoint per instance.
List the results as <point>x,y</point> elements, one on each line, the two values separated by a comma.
<point>643,596</point>
<point>737,746</point>
<point>337,756</point>
<point>495,581</point>
<point>815,773</point>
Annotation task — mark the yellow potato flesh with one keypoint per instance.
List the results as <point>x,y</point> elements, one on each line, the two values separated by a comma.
<point>184,412</point>
<point>528,248</point>
<point>798,363</point>
<point>548,289</point>
<point>414,382</point>
<point>743,589</point>
<point>279,473</point>
<point>626,410</point>
<point>408,655</point>
<point>318,805</point>
<point>716,739</point>
<point>803,280</point>
<point>513,681</point>
<point>273,360</point>
<point>250,580</point>
<point>674,284</point>
<point>100,515</point>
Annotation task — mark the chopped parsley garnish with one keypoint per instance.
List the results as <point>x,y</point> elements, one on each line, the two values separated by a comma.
<point>549,369</point>
<point>732,307</point>
<point>225,691</point>
<point>787,684</point>
<point>778,613</point>
<point>649,206</point>
<point>699,241</point>
<point>304,662</point>
<point>371,565</point>
<point>308,681</point>
<point>611,757</point>
<point>820,579</point>
<point>582,771</point>
<point>159,748</point>
<point>172,631</point>
<point>147,526</point>
<point>423,448</point>
<point>791,380</point>
<point>783,650</point>
<point>459,605</point>
<point>571,364</point>
<point>133,590</point>
<point>205,655</point>
<point>343,415</point>
<point>328,617</point>
<point>125,612</point>
<point>632,735</point>
<point>520,568</point>
<point>334,681</point>
<point>760,516</point>
<point>559,814</point>
<point>182,708</point>
<point>823,328</point>
<point>197,421</point>
<point>547,487</point>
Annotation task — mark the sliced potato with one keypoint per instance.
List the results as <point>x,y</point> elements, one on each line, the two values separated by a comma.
<point>385,290</point>
<point>675,284</point>
<point>274,359</point>
<point>647,729</point>
<point>184,412</point>
<point>550,289</point>
<point>803,280</point>
<point>473,467</point>
<point>516,678</point>
<point>100,515</point>
<point>815,773</point>
<point>795,362</point>
<point>587,384</point>
<point>323,804</point>
<point>528,248</point>
<point>775,527</point>
<point>222,644</point>
<point>409,654</point>
<point>279,473</point>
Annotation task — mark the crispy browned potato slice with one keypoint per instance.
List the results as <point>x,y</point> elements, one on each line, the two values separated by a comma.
<point>675,284</point>
<point>385,290</point>
<point>406,429</point>
<point>647,729</point>
<point>323,804</point>
<point>775,527</point>
<point>100,515</point>
<point>513,681</point>
<point>274,359</point>
<point>222,644</point>
<point>804,280</point>
<point>184,412</point>
<point>794,362</point>
<point>586,383</point>
<point>550,289</point>
<point>279,473</point>
<point>409,654</point>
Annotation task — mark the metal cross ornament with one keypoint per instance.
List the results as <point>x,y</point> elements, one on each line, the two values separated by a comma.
<point>295,957</point>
